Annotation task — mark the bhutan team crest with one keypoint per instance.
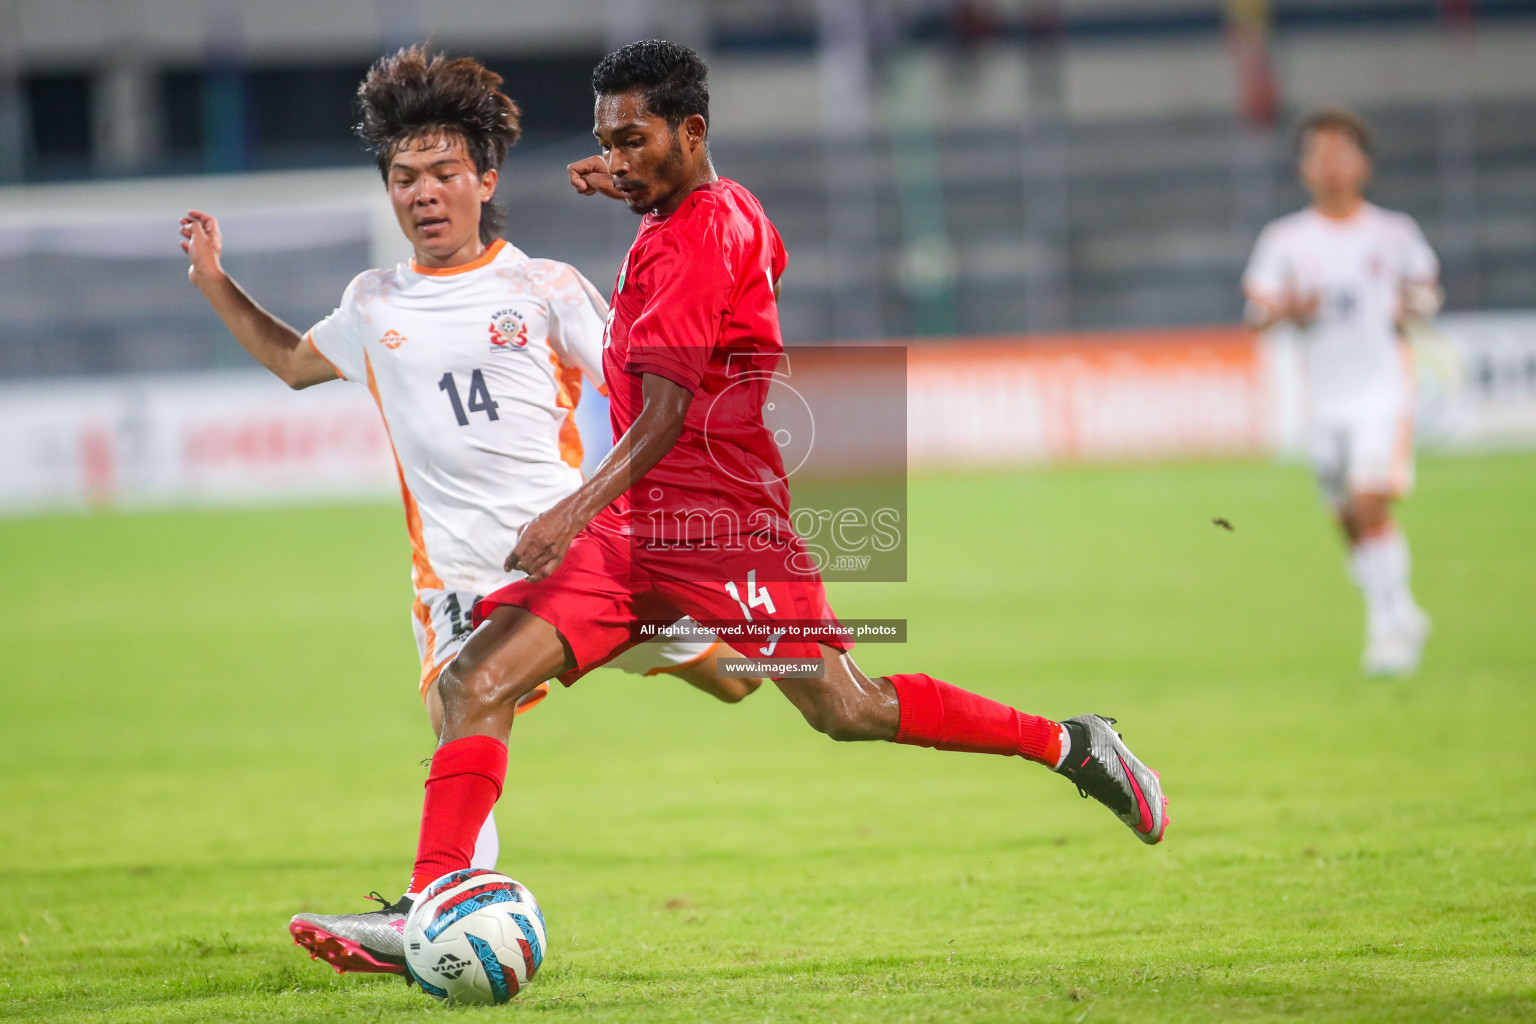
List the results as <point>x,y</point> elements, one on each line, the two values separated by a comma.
<point>508,331</point>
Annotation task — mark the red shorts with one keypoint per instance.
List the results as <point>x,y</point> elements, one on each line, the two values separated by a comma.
<point>608,583</point>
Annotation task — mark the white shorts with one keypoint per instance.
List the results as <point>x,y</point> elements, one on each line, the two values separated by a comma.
<point>442,621</point>
<point>1364,451</point>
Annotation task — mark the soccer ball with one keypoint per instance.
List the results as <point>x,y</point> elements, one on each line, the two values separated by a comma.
<point>474,937</point>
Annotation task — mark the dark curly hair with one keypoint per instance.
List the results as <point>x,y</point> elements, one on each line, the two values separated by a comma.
<point>414,96</point>
<point>673,79</point>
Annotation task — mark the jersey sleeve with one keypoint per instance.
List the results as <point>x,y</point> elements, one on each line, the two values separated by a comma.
<point>780,258</point>
<point>689,285</point>
<point>1420,264</point>
<point>339,337</point>
<point>1267,274</point>
<point>577,318</point>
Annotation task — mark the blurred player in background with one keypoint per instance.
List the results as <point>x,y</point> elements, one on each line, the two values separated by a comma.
<point>474,353</point>
<point>693,327</point>
<point>1348,275</point>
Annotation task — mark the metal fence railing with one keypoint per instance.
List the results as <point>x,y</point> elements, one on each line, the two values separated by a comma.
<point>1016,228</point>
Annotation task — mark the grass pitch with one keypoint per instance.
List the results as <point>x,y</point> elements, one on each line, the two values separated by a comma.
<point>208,722</point>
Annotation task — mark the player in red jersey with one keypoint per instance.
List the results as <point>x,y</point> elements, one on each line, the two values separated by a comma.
<point>689,513</point>
<point>516,332</point>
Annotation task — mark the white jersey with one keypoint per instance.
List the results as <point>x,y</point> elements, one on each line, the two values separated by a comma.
<point>476,370</point>
<point>1358,267</point>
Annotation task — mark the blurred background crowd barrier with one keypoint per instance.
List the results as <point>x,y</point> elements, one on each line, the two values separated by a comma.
<point>1077,182</point>
<point>240,436</point>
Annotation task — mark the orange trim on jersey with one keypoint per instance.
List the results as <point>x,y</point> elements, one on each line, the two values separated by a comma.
<point>422,575</point>
<point>421,566</point>
<point>429,666</point>
<point>567,396</point>
<point>669,670</point>
<point>490,253</point>
<point>429,676</point>
<point>309,336</point>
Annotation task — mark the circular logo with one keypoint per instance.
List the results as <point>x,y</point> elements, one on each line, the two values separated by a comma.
<point>786,415</point>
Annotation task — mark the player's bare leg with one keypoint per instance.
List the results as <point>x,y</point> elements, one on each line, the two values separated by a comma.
<point>503,661</point>
<point>478,693</point>
<point>703,674</point>
<point>488,842</point>
<point>845,704</point>
<point>1364,515</point>
<point>1379,562</point>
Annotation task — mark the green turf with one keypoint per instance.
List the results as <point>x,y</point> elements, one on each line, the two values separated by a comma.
<point>208,722</point>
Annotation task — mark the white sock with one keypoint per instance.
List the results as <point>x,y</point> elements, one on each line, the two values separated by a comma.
<point>1380,567</point>
<point>1066,748</point>
<point>487,845</point>
<point>1365,567</point>
<point>1398,564</point>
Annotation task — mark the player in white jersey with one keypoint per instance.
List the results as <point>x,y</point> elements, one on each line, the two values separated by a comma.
<point>473,351</point>
<point>477,370</point>
<point>1347,275</point>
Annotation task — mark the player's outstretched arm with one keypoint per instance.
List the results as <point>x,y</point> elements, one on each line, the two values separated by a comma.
<point>542,545</point>
<point>275,345</point>
<point>589,176</point>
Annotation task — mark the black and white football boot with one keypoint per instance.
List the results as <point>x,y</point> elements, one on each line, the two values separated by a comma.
<point>1100,765</point>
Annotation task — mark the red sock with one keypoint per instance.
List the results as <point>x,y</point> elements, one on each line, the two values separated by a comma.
<point>462,787</point>
<point>936,714</point>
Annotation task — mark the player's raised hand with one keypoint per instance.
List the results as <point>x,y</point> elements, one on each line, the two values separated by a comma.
<point>589,176</point>
<point>542,545</point>
<point>1419,300</point>
<point>1301,309</point>
<point>1290,308</point>
<point>203,244</point>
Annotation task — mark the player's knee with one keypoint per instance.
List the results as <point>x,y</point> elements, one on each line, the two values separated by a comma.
<point>471,686</point>
<point>466,682</point>
<point>1367,516</point>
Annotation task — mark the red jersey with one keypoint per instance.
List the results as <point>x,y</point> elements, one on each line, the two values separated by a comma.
<point>694,303</point>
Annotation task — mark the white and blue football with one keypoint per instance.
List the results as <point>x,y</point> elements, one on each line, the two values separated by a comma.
<point>474,936</point>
